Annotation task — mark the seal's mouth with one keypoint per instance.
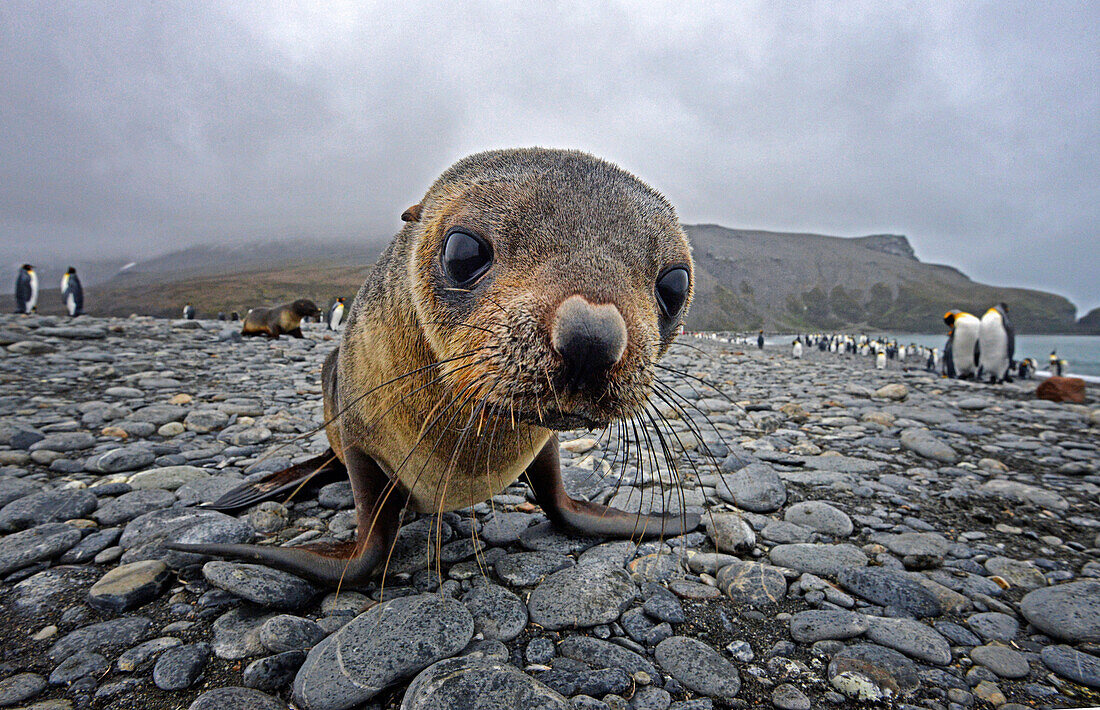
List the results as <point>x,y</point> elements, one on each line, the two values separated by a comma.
<point>560,421</point>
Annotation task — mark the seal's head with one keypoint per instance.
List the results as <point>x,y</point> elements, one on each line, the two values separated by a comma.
<point>305,308</point>
<point>566,275</point>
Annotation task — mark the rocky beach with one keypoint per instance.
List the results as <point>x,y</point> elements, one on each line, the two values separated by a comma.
<point>870,537</point>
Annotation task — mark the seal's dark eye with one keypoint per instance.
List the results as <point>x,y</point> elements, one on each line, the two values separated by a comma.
<point>672,291</point>
<point>465,257</point>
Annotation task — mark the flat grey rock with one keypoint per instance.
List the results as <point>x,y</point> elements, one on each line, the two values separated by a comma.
<point>872,672</point>
<point>823,624</point>
<point>259,584</point>
<point>753,583</point>
<point>104,637</point>
<point>1068,662</point>
<point>698,667</point>
<point>913,638</point>
<point>498,613</point>
<point>1070,612</point>
<point>756,487</point>
<point>236,699</point>
<point>581,596</point>
<point>43,542</point>
<point>47,507</point>
<point>821,517</point>
<point>889,587</point>
<point>388,642</point>
<point>821,559</point>
<point>454,683</point>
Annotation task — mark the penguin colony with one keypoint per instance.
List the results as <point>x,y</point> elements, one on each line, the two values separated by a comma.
<point>981,349</point>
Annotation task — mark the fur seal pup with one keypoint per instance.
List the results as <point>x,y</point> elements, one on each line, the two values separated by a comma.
<point>284,319</point>
<point>530,291</point>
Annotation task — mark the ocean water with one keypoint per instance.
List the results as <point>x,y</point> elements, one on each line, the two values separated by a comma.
<point>1082,352</point>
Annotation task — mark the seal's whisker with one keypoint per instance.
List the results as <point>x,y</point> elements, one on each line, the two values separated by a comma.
<point>446,476</point>
<point>668,395</point>
<point>420,438</point>
<point>267,455</point>
<point>670,459</point>
<point>714,386</point>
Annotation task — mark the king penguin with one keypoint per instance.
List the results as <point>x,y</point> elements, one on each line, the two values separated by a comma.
<point>189,312</point>
<point>796,349</point>
<point>336,314</point>
<point>26,290</point>
<point>72,293</point>
<point>880,360</point>
<point>961,351</point>
<point>996,344</point>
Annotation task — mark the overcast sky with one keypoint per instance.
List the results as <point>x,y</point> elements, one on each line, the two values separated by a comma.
<point>128,129</point>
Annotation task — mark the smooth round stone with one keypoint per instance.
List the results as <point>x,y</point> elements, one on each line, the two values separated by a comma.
<point>65,442</point>
<point>498,613</point>
<point>504,528</point>
<point>753,583</point>
<point>523,569</point>
<point>600,654</point>
<point>50,591</point>
<point>788,697</point>
<point>336,496</point>
<point>128,458</point>
<point>816,558</point>
<point>90,546</point>
<point>1070,612</point>
<point>1018,573</point>
<point>290,633</point>
<point>924,444</point>
<point>1002,660</point>
<point>128,586</point>
<point>47,507</point>
<point>820,517</point>
<point>43,542</point>
<point>756,487</point>
<point>586,595</point>
<point>698,667</point>
<point>203,421</point>
<point>783,533</point>
<point>889,587</point>
<point>390,641</point>
<point>159,414</point>
<point>130,505</point>
<point>79,665</point>
<point>18,688</point>
<point>730,532</point>
<point>140,656</point>
<point>167,477</point>
<point>686,589</point>
<point>1068,662</point>
<point>546,537</point>
<point>911,637</point>
<point>453,684</point>
<point>144,537</point>
<point>180,667</point>
<point>824,624</point>
<point>872,672</point>
<point>105,637</point>
<point>237,633</point>
<point>259,584</point>
<point>236,699</point>
<point>14,489</point>
<point>994,626</point>
<point>273,672</point>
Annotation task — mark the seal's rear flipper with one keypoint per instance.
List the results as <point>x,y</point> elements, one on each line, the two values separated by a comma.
<point>584,518</point>
<point>378,505</point>
<point>325,468</point>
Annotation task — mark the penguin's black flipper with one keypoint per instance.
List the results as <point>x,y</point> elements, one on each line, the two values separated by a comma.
<point>325,468</point>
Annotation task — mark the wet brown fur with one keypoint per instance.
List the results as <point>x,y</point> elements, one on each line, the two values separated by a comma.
<point>560,223</point>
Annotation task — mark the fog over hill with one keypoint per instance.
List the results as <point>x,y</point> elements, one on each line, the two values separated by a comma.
<point>746,280</point>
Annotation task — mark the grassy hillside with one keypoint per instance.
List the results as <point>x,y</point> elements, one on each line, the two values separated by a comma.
<point>746,280</point>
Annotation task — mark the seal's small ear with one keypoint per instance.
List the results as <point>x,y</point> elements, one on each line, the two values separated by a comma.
<point>411,215</point>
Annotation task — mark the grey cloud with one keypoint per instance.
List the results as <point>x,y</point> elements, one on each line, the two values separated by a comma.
<point>130,129</point>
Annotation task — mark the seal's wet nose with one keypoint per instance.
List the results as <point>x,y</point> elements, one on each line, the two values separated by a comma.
<point>590,338</point>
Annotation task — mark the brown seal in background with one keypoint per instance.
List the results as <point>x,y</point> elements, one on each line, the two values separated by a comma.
<point>285,319</point>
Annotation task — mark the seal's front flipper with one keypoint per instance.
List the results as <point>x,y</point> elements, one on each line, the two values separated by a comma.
<point>584,518</point>
<point>379,505</point>
<point>325,468</point>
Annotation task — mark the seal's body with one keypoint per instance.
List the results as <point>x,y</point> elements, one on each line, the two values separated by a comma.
<point>530,291</point>
<point>280,320</point>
